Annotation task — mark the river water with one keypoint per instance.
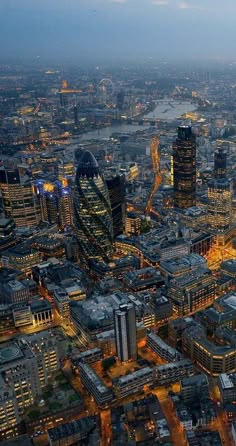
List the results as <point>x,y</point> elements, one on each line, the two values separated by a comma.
<point>166,109</point>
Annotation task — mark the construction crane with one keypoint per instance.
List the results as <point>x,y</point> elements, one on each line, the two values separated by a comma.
<point>157,173</point>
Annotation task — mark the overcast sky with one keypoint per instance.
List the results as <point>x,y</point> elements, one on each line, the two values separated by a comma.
<point>135,29</point>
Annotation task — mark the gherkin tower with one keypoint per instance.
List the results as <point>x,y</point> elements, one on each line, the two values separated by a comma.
<point>92,211</point>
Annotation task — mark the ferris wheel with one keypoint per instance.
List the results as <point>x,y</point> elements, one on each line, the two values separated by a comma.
<point>106,87</point>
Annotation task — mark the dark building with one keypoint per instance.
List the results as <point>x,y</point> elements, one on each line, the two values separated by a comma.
<point>76,117</point>
<point>120,98</point>
<point>92,211</point>
<point>125,332</point>
<point>116,189</point>
<point>184,163</point>
<point>7,233</point>
<point>220,165</point>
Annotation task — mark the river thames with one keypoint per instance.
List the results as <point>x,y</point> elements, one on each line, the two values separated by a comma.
<point>166,110</point>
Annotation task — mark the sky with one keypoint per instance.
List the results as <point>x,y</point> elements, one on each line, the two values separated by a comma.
<point>132,30</point>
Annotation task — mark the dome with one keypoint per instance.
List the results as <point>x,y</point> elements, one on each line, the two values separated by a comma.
<point>88,166</point>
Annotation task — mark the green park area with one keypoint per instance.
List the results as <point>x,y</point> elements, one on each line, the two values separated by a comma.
<point>58,396</point>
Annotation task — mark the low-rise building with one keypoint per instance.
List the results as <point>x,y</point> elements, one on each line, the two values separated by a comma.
<point>133,383</point>
<point>88,356</point>
<point>190,292</point>
<point>227,387</point>
<point>71,433</point>
<point>165,351</point>
<point>102,394</point>
<point>212,358</point>
<point>62,302</point>
<point>26,365</point>
<point>173,372</point>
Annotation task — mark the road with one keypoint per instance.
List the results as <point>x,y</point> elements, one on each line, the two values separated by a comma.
<point>177,433</point>
<point>221,423</point>
<point>106,431</point>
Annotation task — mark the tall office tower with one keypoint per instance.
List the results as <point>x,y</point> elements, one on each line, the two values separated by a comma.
<point>220,165</point>
<point>220,202</point>
<point>76,116</point>
<point>116,189</point>
<point>184,159</point>
<point>120,98</point>
<point>66,171</point>
<point>48,201</point>
<point>20,202</point>
<point>92,211</point>
<point>220,195</point>
<point>65,208</point>
<point>125,332</point>
<point>56,203</point>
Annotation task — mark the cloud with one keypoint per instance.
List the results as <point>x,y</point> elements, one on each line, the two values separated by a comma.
<point>160,2</point>
<point>120,2</point>
<point>186,5</point>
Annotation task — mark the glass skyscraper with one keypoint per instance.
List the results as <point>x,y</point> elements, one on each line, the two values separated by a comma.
<point>220,195</point>
<point>184,167</point>
<point>92,211</point>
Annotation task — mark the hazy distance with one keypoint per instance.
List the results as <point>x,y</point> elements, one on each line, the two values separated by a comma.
<point>118,29</point>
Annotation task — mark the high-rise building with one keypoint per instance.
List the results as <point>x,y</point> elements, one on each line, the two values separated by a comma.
<point>220,164</point>
<point>65,208</point>
<point>19,199</point>
<point>66,171</point>
<point>92,211</point>
<point>125,332</point>
<point>132,224</point>
<point>220,199</point>
<point>220,195</point>
<point>120,98</point>
<point>76,117</point>
<point>116,189</point>
<point>56,203</point>
<point>184,159</point>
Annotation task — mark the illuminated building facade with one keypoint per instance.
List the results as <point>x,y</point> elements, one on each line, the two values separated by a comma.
<point>184,166</point>
<point>220,197</point>
<point>19,199</point>
<point>125,332</point>
<point>25,368</point>
<point>66,172</point>
<point>191,292</point>
<point>56,203</point>
<point>92,211</point>
<point>132,224</point>
<point>212,358</point>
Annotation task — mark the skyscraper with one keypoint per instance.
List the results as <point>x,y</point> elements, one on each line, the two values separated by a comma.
<point>20,202</point>
<point>220,195</point>
<point>116,189</point>
<point>92,211</point>
<point>184,160</point>
<point>76,117</point>
<point>56,203</point>
<point>220,164</point>
<point>125,332</point>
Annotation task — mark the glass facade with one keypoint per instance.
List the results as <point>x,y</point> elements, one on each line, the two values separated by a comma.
<point>220,199</point>
<point>19,199</point>
<point>184,166</point>
<point>92,211</point>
